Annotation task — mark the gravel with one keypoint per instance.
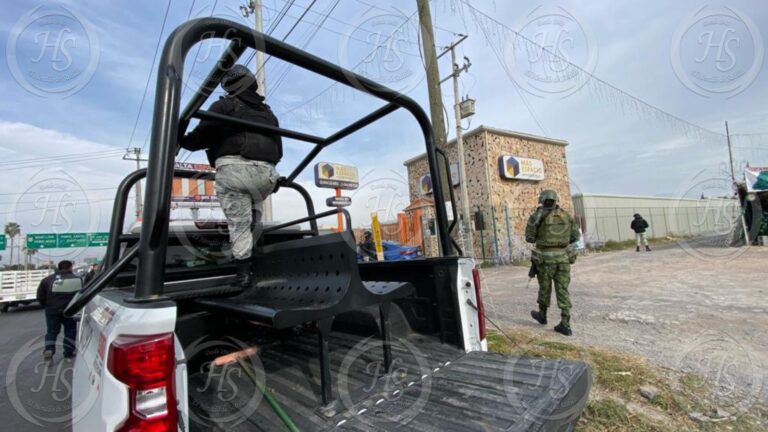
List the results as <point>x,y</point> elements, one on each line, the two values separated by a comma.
<point>688,307</point>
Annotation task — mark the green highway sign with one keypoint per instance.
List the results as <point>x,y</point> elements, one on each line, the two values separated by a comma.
<point>68,240</point>
<point>98,239</point>
<point>65,240</point>
<point>41,241</point>
<point>2,242</point>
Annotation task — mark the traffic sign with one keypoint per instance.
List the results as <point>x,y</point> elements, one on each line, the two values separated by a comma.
<point>42,241</point>
<point>338,201</point>
<point>98,239</point>
<point>2,242</point>
<point>66,240</point>
<point>69,240</point>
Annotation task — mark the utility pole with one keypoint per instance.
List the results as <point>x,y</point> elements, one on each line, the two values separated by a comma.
<point>134,154</point>
<point>733,179</point>
<point>730,153</point>
<point>433,86</point>
<point>255,7</point>
<point>465,212</point>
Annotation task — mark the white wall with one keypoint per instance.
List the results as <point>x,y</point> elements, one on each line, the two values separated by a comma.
<point>607,217</point>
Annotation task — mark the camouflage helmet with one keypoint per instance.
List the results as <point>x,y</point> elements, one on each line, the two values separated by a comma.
<point>547,194</point>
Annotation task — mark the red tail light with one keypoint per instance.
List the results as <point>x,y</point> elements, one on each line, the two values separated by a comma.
<point>146,365</point>
<point>480,307</point>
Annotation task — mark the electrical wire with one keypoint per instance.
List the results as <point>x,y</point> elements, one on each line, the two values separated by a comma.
<point>354,27</point>
<point>281,78</point>
<point>48,164</point>
<point>49,192</point>
<point>68,202</point>
<point>149,76</point>
<point>330,86</point>
<point>59,157</point>
<point>582,70</point>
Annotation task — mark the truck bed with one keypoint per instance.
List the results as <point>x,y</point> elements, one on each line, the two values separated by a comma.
<point>433,387</point>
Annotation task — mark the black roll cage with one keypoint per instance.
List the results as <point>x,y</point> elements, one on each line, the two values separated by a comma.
<point>170,123</point>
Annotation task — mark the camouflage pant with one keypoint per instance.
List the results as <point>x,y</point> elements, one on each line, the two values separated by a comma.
<point>560,274</point>
<point>242,188</point>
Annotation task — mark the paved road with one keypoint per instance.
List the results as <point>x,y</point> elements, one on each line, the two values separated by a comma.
<point>695,307</point>
<point>33,396</point>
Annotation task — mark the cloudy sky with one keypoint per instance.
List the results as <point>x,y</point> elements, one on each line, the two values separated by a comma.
<point>640,90</point>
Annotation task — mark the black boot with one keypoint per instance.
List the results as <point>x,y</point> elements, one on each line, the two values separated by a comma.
<point>539,316</point>
<point>560,328</point>
<point>243,277</point>
<point>638,249</point>
<point>647,248</point>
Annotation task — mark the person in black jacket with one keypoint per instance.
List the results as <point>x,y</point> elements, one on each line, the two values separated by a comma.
<point>244,161</point>
<point>54,293</point>
<point>368,247</point>
<point>639,225</point>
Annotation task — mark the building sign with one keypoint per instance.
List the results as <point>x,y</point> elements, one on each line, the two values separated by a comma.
<point>66,240</point>
<point>425,182</point>
<point>756,179</point>
<point>194,166</point>
<point>340,201</point>
<point>331,175</point>
<point>519,168</point>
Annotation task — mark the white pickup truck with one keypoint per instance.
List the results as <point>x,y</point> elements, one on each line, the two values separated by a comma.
<point>19,287</point>
<point>319,341</point>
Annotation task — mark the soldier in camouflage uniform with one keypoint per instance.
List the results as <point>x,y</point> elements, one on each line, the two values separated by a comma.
<point>245,162</point>
<point>552,230</point>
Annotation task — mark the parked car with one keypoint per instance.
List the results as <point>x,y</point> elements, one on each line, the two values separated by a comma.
<point>394,251</point>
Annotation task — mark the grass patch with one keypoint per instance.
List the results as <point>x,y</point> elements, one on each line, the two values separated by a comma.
<point>615,403</point>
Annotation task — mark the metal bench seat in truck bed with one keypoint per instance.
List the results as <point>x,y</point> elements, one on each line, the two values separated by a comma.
<point>311,280</point>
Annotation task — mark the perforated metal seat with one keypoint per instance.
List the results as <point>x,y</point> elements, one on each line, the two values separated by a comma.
<point>311,280</point>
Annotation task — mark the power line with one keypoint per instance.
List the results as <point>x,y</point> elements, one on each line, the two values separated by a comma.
<point>70,156</point>
<point>61,191</point>
<point>48,164</point>
<point>68,202</point>
<point>354,27</point>
<point>330,86</point>
<point>149,76</point>
<point>318,26</point>
<point>582,70</point>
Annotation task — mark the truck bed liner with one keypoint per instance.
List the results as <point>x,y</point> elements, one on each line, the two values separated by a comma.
<point>433,387</point>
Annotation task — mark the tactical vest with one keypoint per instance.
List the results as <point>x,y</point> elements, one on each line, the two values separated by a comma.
<point>554,230</point>
<point>248,144</point>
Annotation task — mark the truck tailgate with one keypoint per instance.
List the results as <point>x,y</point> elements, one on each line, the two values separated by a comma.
<point>433,387</point>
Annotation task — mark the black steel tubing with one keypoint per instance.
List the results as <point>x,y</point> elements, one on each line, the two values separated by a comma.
<point>119,207</point>
<point>363,122</point>
<point>165,130</point>
<point>102,279</point>
<point>259,127</point>
<point>308,200</point>
<point>347,218</point>
<point>453,200</point>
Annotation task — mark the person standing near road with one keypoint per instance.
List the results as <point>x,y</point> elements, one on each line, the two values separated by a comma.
<point>55,293</point>
<point>244,161</point>
<point>552,230</point>
<point>639,225</point>
<point>91,274</point>
<point>368,247</point>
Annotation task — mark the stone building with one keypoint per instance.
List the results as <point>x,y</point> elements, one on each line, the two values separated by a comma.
<point>506,171</point>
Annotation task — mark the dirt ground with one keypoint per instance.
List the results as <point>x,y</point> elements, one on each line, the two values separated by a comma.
<point>689,307</point>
